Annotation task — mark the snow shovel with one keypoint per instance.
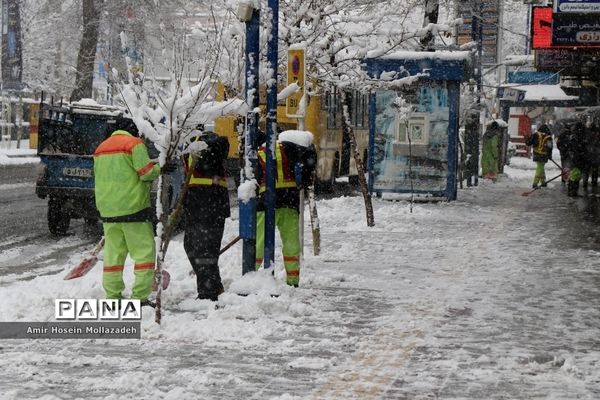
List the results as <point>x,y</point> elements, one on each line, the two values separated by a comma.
<point>228,245</point>
<point>539,187</point>
<point>557,164</point>
<point>562,170</point>
<point>90,261</point>
<point>87,263</point>
<point>166,278</point>
<point>223,250</point>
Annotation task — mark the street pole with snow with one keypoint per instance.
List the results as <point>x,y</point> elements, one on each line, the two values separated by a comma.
<point>247,195</point>
<point>271,131</point>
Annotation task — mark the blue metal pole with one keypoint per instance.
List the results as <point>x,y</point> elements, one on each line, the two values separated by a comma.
<point>271,132</point>
<point>454,97</point>
<point>247,224</point>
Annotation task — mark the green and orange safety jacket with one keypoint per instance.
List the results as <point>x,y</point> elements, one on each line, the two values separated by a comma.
<point>287,155</point>
<point>285,175</point>
<point>123,173</point>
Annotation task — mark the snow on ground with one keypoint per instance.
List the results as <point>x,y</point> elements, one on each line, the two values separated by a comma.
<point>11,155</point>
<point>493,296</point>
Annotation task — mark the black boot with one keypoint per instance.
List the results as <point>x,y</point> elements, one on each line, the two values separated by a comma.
<point>208,282</point>
<point>572,189</point>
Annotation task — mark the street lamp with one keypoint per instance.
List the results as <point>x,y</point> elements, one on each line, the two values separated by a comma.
<point>247,206</point>
<point>245,11</point>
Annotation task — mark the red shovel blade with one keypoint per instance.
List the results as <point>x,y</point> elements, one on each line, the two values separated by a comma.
<point>83,268</point>
<point>166,278</point>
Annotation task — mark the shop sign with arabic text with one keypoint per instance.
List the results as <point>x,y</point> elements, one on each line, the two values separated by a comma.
<point>581,30</point>
<point>577,6</point>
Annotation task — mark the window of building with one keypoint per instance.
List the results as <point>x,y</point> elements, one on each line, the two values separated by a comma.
<point>332,106</point>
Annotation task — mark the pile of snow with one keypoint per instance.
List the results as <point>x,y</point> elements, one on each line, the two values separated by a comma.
<point>10,155</point>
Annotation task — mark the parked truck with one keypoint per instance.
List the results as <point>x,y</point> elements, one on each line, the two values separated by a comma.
<point>68,137</point>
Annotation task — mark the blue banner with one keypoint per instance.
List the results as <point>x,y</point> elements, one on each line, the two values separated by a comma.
<point>533,77</point>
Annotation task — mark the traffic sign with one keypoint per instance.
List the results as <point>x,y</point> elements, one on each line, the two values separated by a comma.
<point>505,93</point>
<point>296,74</point>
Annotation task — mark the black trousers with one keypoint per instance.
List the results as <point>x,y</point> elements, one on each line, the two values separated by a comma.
<point>202,243</point>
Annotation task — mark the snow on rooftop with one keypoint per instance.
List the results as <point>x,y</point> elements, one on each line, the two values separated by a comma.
<point>427,55</point>
<point>542,92</point>
<point>90,106</point>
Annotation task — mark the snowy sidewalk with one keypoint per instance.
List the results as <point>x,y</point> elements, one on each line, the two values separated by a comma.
<point>494,296</point>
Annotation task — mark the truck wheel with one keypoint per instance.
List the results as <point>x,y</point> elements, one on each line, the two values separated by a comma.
<point>58,218</point>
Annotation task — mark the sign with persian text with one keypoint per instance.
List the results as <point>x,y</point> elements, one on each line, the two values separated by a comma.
<point>577,6</point>
<point>542,32</point>
<point>580,30</point>
<point>490,12</point>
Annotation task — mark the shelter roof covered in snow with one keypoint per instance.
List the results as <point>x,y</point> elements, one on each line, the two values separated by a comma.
<point>437,65</point>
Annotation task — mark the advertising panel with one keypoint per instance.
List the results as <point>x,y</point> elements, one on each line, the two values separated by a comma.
<point>542,30</point>
<point>411,151</point>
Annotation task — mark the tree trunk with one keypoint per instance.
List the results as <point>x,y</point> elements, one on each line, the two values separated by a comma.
<point>314,218</point>
<point>360,169</point>
<point>432,11</point>
<point>87,52</point>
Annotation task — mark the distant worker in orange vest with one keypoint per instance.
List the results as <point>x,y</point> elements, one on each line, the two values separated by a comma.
<point>294,152</point>
<point>541,142</point>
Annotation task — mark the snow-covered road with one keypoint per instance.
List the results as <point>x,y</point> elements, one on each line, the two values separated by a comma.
<point>495,296</point>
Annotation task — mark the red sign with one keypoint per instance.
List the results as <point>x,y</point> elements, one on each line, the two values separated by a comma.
<point>541,29</point>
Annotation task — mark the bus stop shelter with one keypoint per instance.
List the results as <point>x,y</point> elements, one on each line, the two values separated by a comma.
<point>413,122</point>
